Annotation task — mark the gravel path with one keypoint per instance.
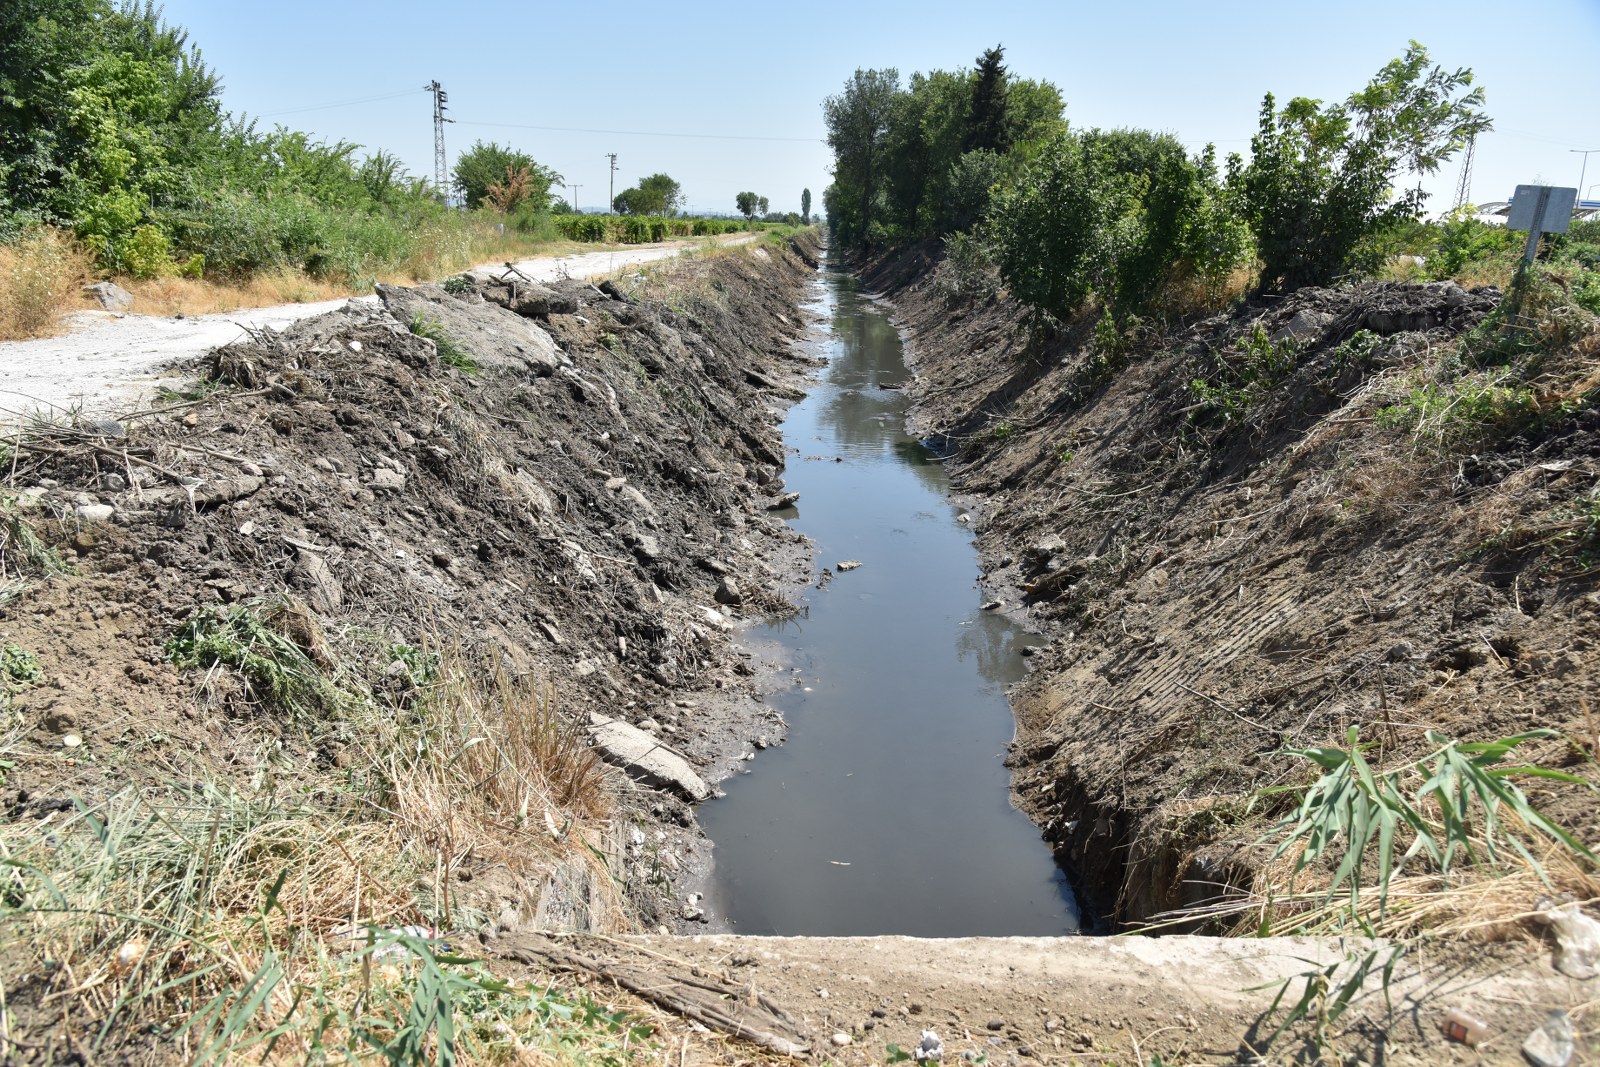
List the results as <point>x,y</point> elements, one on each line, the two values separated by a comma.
<point>108,361</point>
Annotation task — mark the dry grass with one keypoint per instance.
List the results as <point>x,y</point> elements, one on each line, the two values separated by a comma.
<point>282,922</point>
<point>40,277</point>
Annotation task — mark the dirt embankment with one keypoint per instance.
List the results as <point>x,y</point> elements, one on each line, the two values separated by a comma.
<point>571,478</point>
<point>1236,550</point>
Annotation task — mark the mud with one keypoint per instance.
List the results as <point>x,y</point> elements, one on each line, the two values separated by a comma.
<point>1220,587</point>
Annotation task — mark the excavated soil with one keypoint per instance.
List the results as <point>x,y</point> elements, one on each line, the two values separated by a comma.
<point>1220,588</point>
<point>575,491</point>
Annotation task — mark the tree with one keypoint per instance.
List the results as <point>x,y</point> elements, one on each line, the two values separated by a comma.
<point>986,123</point>
<point>656,195</point>
<point>762,204</point>
<point>747,204</point>
<point>857,121</point>
<point>805,207</point>
<point>1321,179</point>
<point>484,165</point>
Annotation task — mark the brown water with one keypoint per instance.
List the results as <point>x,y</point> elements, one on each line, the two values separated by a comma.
<point>887,811</point>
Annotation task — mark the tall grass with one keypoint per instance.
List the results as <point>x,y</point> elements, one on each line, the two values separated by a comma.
<point>295,918</point>
<point>40,274</point>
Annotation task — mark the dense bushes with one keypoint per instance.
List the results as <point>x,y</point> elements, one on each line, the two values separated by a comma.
<point>641,229</point>
<point>1127,218</point>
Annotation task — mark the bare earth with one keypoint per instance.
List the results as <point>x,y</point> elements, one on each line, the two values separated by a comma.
<point>109,360</point>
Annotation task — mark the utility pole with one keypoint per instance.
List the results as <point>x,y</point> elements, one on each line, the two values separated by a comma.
<point>611,199</point>
<point>1464,186</point>
<point>574,187</point>
<point>441,168</point>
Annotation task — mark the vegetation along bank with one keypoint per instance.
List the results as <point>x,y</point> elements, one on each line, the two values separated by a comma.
<point>1302,488</point>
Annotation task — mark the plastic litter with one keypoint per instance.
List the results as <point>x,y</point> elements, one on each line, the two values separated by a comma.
<point>1577,938</point>
<point>1460,1027</point>
<point>1551,1044</point>
<point>929,1048</point>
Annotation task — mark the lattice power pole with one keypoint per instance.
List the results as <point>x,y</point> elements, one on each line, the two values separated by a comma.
<point>441,166</point>
<point>1464,186</point>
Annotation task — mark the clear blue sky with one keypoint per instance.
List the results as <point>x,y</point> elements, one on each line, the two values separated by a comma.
<point>760,72</point>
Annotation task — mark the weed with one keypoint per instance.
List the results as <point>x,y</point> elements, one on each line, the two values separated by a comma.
<point>456,284</point>
<point>280,672</point>
<point>22,553</point>
<point>18,668</point>
<point>1239,381</point>
<point>1001,431</point>
<point>451,352</point>
<point>1458,410</point>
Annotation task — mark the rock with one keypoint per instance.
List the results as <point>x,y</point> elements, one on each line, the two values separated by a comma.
<point>650,726</point>
<point>787,500</point>
<point>1551,1044</point>
<point>95,512</point>
<point>965,518</point>
<point>994,605</point>
<point>110,296</point>
<point>840,1039</point>
<point>71,741</point>
<point>645,758</point>
<point>311,573</point>
<point>103,427</point>
<point>995,1024</point>
<point>929,1048</point>
<point>528,299</point>
<point>497,340</point>
<point>385,479</point>
<point>1306,324</point>
<point>848,565</point>
<point>728,591</point>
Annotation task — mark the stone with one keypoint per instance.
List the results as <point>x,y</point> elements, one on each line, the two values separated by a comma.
<point>995,1024</point>
<point>113,483</point>
<point>1306,324</point>
<point>645,758</point>
<point>95,512</point>
<point>787,500</point>
<point>728,591</point>
<point>840,1039</point>
<point>847,565</point>
<point>311,573</point>
<point>497,339</point>
<point>1551,1045</point>
<point>385,479</point>
<point>103,427</point>
<point>993,605</point>
<point>110,296</point>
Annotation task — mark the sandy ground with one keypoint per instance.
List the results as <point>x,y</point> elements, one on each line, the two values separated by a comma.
<point>1084,1000</point>
<point>109,361</point>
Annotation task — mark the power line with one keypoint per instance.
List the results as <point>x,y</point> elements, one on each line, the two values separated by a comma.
<point>344,103</point>
<point>645,133</point>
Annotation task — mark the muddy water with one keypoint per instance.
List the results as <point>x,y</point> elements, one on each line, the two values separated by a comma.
<point>887,810</point>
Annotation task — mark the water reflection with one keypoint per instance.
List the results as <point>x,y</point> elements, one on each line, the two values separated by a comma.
<point>888,810</point>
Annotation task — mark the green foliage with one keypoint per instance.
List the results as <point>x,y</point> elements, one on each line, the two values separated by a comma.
<point>280,674</point>
<point>1109,214</point>
<point>18,668</point>
<point>746,203</point>
<point>805,207</point>
<point>659,194</point>
<point>1458,805</point>
<point>858,124</point>
<point>986,127</point>
<point>1238,382</point>
<point>1460,410</point>
<point>1463,241</point>
<point>451,352</point>
<point>1320,182</point>
<point>486,164</point>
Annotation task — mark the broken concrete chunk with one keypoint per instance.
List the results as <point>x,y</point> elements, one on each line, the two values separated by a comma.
<point>109,295</point>
<point>847,565</point>
<point>387,479</point>
<point>728,591</point>
<point>787,500</point>
<point>645,758</point>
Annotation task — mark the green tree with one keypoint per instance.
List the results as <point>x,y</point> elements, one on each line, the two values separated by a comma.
<point>987,126</point>
<point>857,121</point>
<point>805,207</point>
<point>747,204</point>
<point>485,165</point>
<point>656,195</point>
<point>762,204</point>
<point>1321,180</point>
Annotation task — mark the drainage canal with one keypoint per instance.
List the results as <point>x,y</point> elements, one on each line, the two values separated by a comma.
<point>887,811</point>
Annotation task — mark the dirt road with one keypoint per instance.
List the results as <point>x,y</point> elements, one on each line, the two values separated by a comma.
<point>109,360</point>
